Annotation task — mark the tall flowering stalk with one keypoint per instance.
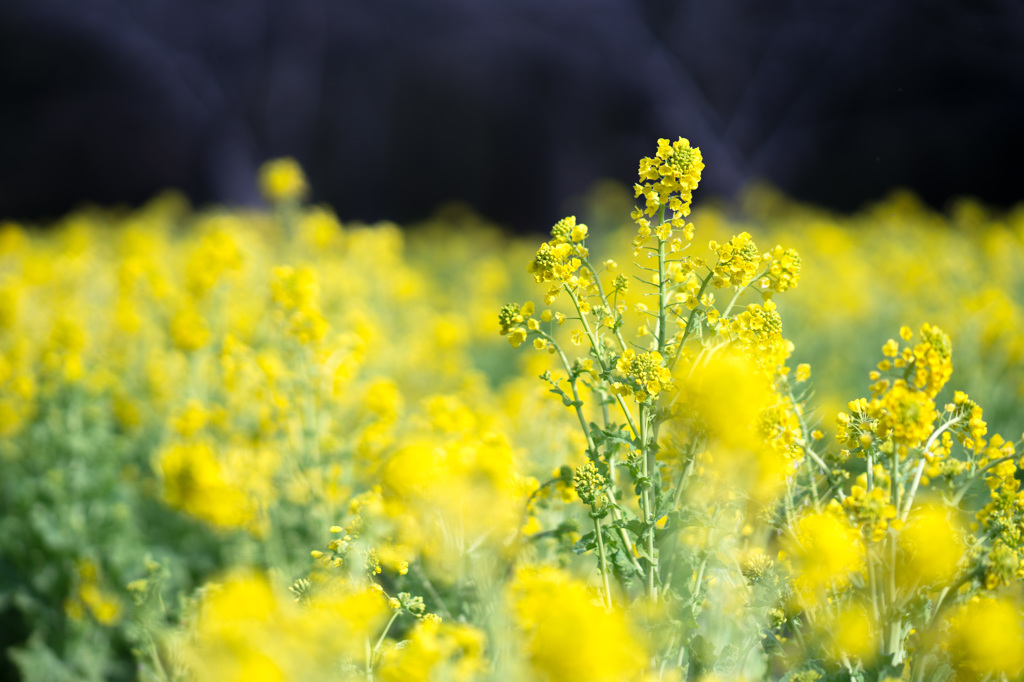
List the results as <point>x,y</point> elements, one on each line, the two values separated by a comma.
<point>647,403</point>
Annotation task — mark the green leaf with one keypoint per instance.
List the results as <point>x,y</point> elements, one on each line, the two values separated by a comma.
<point>587,543</point>
<point>622,567</point>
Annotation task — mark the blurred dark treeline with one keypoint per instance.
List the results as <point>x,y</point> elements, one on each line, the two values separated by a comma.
<point>395,106</point>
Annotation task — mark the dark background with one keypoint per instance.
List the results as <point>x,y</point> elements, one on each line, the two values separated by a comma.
<point>395,106</point>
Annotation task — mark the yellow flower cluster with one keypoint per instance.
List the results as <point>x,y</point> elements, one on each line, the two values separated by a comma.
<point>983,638</point>
<point>437,651</point>
<point>738,261</point>
<point>902,415</point>
<point>932,548</point>
<point>743,427</point>
<point>675,169</point>
<point>283,180</point>
<point>825,552</point>
<point>296,293</point>
<point>588,483</point>
<point>92,597</point>
<point>759,330</point>
<point>245,629</point>
<point>783,270</point>
<point>927,365</point>
<point>559,259</point>
<point>511,318</point>
<point>566,636</point>
<point>872,511</point>
<point>645,373</point>
<point>667,181</point>
<point>779,426</point>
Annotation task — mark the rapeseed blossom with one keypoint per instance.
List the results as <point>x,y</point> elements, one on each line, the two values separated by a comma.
<point>282,180</point>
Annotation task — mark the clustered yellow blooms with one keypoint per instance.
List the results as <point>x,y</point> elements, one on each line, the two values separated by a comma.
<point>783,270</point>
<point>927,365</point>
<point>283,180</point>
<point>510,318</point>
<point>759,329</point>
<point>646,374</point>
<point>901,413</point>
<point>245,629</point>
<point>296,294</point>
<point>565,635</point>
<point>738,261</point>
<point>437,650</point>
<point>588,483</point>
<point>667,179</point>
<point>983,637</point>
<point>873,511</point>
<point>750,432</point>
<point>824,550</point>
<point>933,550</point>
<point>196,481</point>
<point>92,596</point>
<point>558,260</point>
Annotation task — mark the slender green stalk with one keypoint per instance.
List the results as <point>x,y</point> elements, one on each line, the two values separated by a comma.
<point>604,564</point>
<point>873,584</point>
<point>801,420</point>
<point>690,322</point>
<point>630,550</point>
<point>920,467</point>
<point>662,292</point>
<point>646,503</point>
<point>597,351</point>
<point>970,481</point>
<point>383,635</point>
<point>604,301</point>
<point>577,403</point>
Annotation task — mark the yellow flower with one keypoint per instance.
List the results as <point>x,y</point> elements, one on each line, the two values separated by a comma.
<point>803,372</point>
<point>733,410</point>
<point>646,369</point>
<point>436,651</point>
<point>738,260</point>
<point>825,550</point>
<point>296,293</point>
<point>282,180</point>
<point>984,639</point>
<point>566,635</point>
<point>517,336</point>
<point>188,329</point>
<point>931,547</point>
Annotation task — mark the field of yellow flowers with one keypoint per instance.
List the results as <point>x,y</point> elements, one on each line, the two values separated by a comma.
<point>752,442</point>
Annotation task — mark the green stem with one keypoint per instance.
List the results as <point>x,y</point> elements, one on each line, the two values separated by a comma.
<point>383,636</point>
<point>690,321</point>
<point>662,301</point>
<point>788,506</point>
<point>577,403</point>
<point>623,534</point>
<point>604,564</point>
<point>920,467</point>
<point>873,584</point>
<point>970,481</point>
<point>732,302</point>
<point>647,506</point>
<point>801,420</point>
<point>604,301</point>
<point>909,502</point>
<point>869,470</point>
<point>597,352</point>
